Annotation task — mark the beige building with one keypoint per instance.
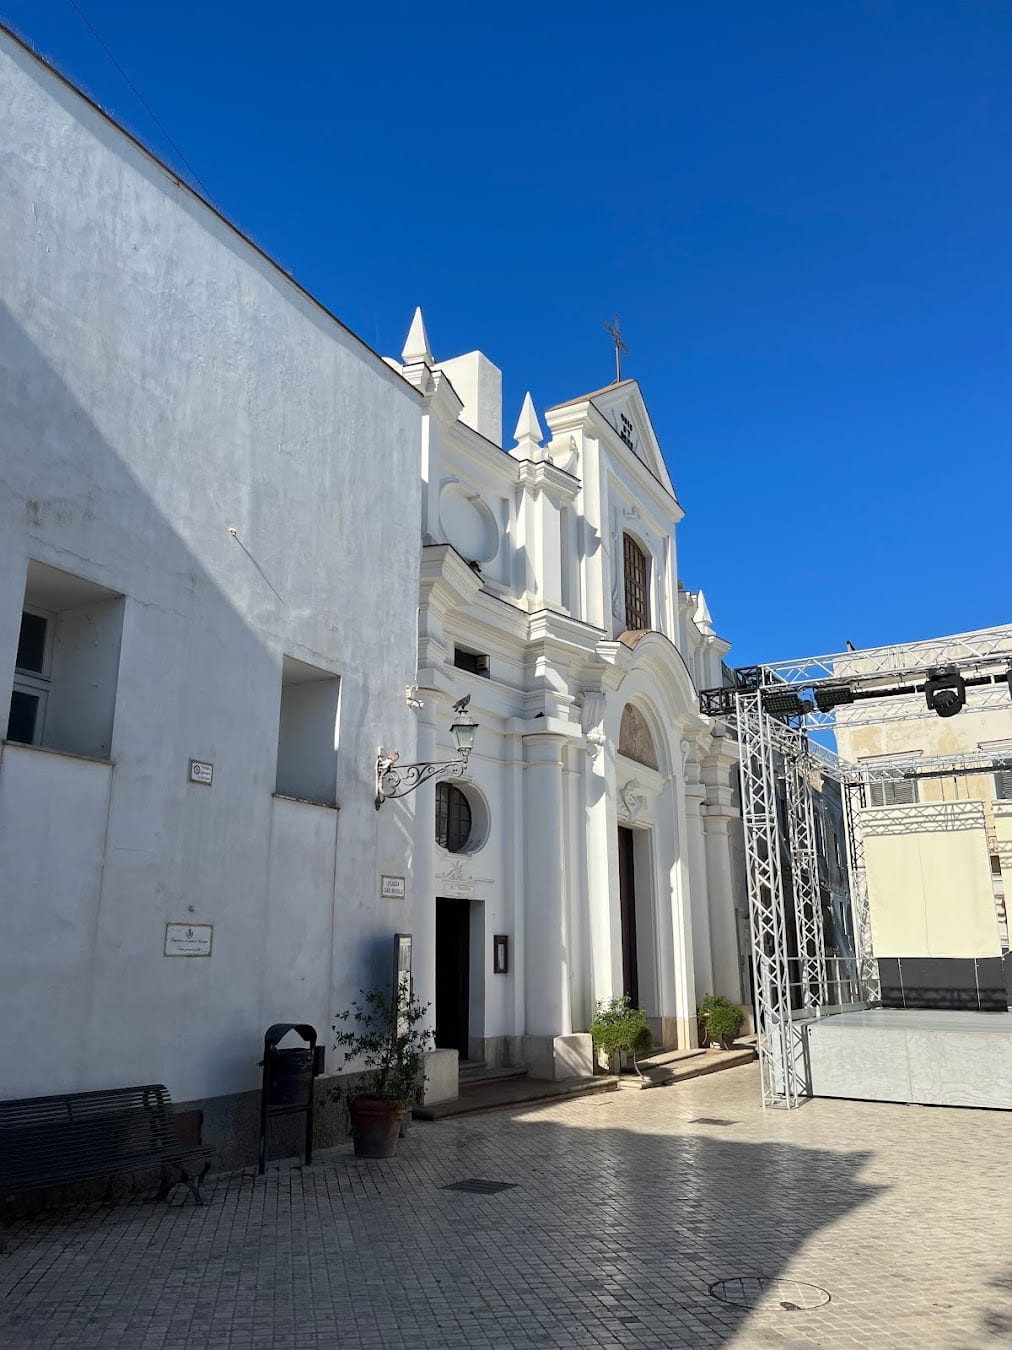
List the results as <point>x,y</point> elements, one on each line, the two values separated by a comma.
<point>938,847</point>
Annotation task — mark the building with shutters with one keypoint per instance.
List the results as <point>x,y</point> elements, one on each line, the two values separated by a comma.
<point>977,802</point>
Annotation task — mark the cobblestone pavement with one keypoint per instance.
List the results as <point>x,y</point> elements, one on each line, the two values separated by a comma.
<point>625,1209</point>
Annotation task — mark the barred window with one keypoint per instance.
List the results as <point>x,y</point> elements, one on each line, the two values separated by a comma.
<point>637,599</point>
<point>453,818</point>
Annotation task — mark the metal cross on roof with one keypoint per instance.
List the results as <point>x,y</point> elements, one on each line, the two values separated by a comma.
<point>616,336</point>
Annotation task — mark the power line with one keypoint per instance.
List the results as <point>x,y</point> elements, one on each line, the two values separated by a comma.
<point>139,96</point>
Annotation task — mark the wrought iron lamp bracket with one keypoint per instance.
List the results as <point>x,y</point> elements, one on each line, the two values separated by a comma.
<point>397,780</point>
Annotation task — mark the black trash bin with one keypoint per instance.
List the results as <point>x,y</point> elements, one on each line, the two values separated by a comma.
<point>288,1081</point>
<point>289,1077</point>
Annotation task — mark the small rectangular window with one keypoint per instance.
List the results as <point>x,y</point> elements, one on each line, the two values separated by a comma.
<point>67,665</point>
<point>308,727</point>
<point>476,662</point>
<point>26,717</point>
<point>32,646</point>
<point>1003,785</point>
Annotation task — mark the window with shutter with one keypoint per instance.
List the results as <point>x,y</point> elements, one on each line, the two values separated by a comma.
<point>637,575</point>
<point>896,792</point>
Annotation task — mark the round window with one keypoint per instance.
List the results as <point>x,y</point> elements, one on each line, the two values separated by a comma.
<point>453,818</point>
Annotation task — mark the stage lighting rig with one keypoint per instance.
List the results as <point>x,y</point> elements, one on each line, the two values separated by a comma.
<point>830,696</point>
<point>945,691</point>
<point>785,703</point>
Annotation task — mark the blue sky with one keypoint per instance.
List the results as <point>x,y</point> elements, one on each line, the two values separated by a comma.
<point>801,211</point>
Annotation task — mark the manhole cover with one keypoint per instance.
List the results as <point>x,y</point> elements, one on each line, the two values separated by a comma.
<point>769,1295</point>
<point>711,1120</point>
<point>475,1186</point>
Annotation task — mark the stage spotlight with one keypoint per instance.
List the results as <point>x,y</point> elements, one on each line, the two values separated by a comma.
<point>828,697</point>
<point>945,691</point>
<point>785,703</point>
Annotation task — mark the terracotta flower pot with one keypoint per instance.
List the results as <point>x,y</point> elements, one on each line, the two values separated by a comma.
<point>375,1124</point>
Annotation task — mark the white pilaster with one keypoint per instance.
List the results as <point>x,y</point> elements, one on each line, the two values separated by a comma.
<point>682,929</point>
<point>723,925</point>
<point>720,812</point>
<point>702,957</point>
<point>546,956</point>
<point>600,850</point>
<point>423,941</point>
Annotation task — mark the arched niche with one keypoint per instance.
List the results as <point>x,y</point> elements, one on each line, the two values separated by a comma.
<point>634,739</point>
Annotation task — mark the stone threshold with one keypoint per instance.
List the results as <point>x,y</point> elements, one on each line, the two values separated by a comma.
<point>679,1066</point>
<point>498,1095</point>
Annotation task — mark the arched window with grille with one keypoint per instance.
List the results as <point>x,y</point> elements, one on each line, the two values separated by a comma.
<point>453,818</point>
<point>637,583</point>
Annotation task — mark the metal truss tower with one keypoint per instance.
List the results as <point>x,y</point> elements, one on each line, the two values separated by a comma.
<point>774,709</point>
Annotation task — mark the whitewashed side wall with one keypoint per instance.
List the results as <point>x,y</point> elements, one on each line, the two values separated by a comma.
<point>161,387</point>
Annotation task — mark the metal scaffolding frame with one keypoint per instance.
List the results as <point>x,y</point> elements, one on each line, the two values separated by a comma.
<point>805,881</point>
<point>781,847</point>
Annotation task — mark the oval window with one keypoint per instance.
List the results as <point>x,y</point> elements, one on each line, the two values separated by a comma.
<point>453,818</point>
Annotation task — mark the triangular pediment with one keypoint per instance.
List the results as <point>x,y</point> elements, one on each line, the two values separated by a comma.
<point>623,408</point>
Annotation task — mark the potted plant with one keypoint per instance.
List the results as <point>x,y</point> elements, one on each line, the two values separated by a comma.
<point>383,1036</point>
<point>619,1028</point>
<point>719,1020</point>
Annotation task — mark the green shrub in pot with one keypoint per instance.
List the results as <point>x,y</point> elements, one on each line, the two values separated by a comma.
<point>720,1019</point>
<point>619,1028</point>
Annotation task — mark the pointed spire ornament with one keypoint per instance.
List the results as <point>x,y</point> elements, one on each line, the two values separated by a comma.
<point>702,618</point>
<point>416,348</point>
<point>528,433</point>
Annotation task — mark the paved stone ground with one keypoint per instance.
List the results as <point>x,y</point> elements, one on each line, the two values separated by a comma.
<point>626,1208</point>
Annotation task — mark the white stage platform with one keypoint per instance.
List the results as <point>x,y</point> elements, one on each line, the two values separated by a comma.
<point>906,1055</point>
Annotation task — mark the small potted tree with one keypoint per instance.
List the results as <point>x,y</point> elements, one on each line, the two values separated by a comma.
<point>382,1035</point>
<point>618,1028</point>
<point>719,1020</point>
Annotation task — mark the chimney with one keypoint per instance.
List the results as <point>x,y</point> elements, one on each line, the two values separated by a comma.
<point>478,383</point>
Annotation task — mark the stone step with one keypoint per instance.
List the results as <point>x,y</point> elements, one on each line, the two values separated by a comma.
<point>690,1066</point>
<point>502,1093</point>
<point>481,1073</point>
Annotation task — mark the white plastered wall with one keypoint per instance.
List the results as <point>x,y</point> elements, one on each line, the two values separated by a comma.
<point>181,425</point>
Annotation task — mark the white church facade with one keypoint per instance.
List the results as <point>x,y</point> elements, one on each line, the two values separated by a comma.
<point>593,848</point>
<point>210,630</point>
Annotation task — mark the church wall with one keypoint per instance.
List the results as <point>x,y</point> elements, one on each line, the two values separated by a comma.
<point>180,425</point>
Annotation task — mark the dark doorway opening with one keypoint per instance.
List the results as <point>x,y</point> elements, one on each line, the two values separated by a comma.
<point>453,961</point>
<point>627,905</point>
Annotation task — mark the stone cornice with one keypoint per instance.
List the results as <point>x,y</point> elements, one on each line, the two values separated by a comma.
<point>541,475</point>
<point>444,570</point>
<point>544,726</point>
<point>444,400</point>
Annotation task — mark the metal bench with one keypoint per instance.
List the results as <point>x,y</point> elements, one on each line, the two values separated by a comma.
<point>79,1136</point>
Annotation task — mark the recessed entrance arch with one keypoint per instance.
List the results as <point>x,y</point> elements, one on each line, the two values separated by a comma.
<point>453,974</point>
<point>627,914</point>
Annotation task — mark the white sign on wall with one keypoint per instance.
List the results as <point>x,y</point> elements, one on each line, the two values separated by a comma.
<point>392,888</point>
<point>188,939</point>
<point>458,890</point>
<point>201,772</point>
